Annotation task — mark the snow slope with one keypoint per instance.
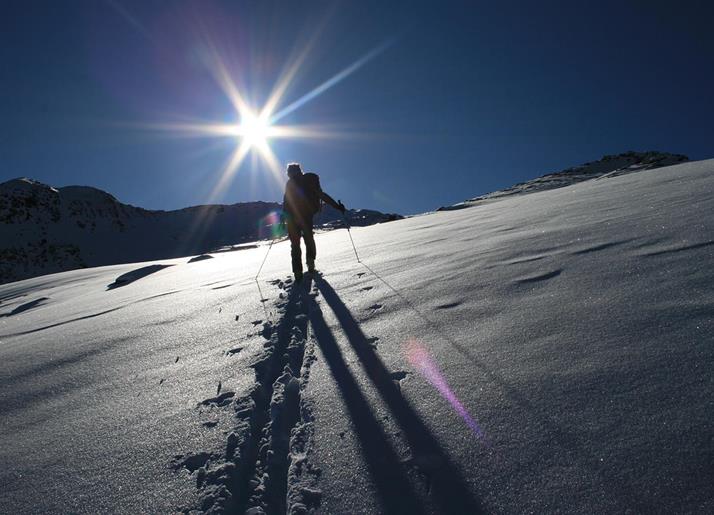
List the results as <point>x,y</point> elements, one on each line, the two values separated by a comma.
<point>548,352</point>
<point>45,229</point>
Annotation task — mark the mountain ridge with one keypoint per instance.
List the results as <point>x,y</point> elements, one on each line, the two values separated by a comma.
<point>46,229</point>
<point>610,165</point>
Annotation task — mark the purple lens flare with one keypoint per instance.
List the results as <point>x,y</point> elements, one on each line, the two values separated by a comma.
<point>418,356</point>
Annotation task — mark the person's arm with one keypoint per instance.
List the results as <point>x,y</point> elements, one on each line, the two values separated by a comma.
<point>329,200</point>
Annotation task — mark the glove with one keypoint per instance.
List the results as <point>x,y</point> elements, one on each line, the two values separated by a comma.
<point>341,207</point>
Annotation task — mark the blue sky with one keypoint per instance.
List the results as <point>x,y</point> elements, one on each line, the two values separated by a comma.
<point>467,98</point>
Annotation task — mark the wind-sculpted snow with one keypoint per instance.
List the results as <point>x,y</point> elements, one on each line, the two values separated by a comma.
<point>135,275</point>
<point>545,353</point>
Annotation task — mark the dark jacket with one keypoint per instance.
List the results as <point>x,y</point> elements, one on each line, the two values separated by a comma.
<point>296,204</point>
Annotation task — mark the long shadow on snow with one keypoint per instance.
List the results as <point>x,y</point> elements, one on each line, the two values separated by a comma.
<point>392,485</point>
<point>449,489</point>
<point>565,438</point>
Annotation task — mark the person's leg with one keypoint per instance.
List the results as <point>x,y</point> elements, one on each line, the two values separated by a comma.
<point>295,253</point>
<point>310,248</point>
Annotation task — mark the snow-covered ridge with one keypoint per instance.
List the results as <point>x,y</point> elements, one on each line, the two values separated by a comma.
<point>45,230</point>
<point>608,166</point>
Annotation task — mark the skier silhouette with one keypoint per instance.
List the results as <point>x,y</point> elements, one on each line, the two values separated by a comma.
<point>303,199</point>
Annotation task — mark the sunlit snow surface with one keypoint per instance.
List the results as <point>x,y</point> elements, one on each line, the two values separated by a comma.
<point>573,326</point>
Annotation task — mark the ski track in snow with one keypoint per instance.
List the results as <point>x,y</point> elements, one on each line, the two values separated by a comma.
<point>264,467</point>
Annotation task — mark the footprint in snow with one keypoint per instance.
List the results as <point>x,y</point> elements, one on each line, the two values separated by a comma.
<point>397,378</point>
<point>427,463</point>
<point>244,408</point>
<point>191,462</point>
<point>399,375</point>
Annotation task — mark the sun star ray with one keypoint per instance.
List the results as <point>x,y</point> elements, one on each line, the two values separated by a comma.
<point>290,71</point>
<point>256,128</point>
<point>197,229</point>
<point>329,83</point>
<point>223,77</point>
<point>229,170</point>
<point>285,80</point>
<point>195,129</point>
<point>271,160</point>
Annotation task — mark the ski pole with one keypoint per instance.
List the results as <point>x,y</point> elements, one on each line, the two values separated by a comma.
<point>350,234</point>
<point>264,259</point>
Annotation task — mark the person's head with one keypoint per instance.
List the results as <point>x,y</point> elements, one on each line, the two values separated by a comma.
<point>294,169</point>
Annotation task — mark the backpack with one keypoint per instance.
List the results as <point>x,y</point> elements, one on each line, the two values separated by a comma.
<point>310,185</point>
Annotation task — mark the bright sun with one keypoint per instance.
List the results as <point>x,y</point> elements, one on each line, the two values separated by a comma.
<point>254,130</point>
<point>257,128</point>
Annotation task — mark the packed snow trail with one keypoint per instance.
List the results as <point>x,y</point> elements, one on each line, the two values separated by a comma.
<point>547,352</point>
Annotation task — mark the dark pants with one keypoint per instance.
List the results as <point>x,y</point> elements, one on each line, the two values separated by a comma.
<point>304,229</point>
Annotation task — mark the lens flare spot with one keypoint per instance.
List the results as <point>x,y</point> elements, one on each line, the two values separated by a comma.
<point>271,226</point>
<point>418,356</point>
